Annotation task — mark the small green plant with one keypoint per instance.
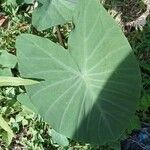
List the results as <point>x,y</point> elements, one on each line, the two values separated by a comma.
<point>8,61</point>
<point>8,134</point>
<point>88,92</point>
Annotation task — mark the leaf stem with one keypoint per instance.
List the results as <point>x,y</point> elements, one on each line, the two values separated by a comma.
<point>59,36</point>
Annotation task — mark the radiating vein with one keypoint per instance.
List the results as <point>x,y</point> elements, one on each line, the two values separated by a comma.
<point>84,42</point>
<point>92,29</point>
<point>61,96</point>
<point>99,126</point>
<point>106,56</point>
<point>48,71</point>
<point>67,107</point>
<point>81,108</point>
<point>108,125</point>
<point>100,73</point>
<point>91,106</point>
<point>111,90</point>
<point>100,43</point>
<point>111,81</point>
<point>113,117</point>
<point>114,104</point>
<point>51,85</point>
<point>112,72</point>
<point>56,60</point>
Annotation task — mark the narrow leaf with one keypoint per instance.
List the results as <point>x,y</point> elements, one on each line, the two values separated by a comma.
<point>14,81</point>
<point>4,125</point>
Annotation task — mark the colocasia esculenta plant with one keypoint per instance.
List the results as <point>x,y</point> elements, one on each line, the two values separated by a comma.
<point>89,91</point>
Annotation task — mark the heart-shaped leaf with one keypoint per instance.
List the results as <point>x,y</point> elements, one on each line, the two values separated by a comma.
<point>90,90</point>
<point>52,12</point>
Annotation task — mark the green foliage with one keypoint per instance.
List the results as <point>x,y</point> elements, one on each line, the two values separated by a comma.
<point>145,102</point>
<point>26,1</point>
<point>88,82</point>
<point>14,81</point>
<point>7,60</point>
<point>134,124</point>
<point>25,101</point>
<point>17,2</point>
<point>8,135</point>
<point>58,138</point>
<point>52,12</point>
<point>5,72</point>
<point>11,2</point>
<point>29,129</point>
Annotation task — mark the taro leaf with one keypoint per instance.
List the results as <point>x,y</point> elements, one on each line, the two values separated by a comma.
<point>90,91</point>
<point>15,81</point>
<point>52,12</point>
<point>7,60</point>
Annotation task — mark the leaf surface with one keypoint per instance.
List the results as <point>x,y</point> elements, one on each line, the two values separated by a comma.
<point>25,101</point>
<point>52,12</point>
<point>4,125</point>
<point>7,60</point>
<point>61,140</point>
<point>8,135</point>
<point>90,90</point>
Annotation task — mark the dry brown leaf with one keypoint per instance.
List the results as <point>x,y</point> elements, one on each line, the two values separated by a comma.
<point>3,20</point>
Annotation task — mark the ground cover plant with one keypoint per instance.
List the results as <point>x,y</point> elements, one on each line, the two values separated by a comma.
<point>94,78</point>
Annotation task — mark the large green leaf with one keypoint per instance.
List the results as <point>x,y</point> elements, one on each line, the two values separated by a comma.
<point>91,90</point>
<point>52,12</point>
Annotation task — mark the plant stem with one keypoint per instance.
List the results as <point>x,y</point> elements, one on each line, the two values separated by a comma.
<point>59,36</point>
